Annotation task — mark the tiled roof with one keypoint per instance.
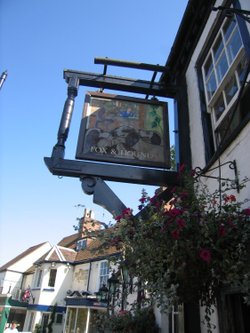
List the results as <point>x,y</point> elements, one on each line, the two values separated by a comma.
<point>92,252</point>
<point>69,241</point>
<point>20,256</point>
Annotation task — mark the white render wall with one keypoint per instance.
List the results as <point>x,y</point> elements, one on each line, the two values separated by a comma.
<point>46,295</point>
<point>239,150</point>
<point>13,276</point>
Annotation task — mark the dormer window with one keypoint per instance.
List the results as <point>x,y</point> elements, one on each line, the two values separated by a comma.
<point>81,244</point>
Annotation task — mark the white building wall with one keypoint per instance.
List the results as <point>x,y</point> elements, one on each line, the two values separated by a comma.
<point>12,278</point>
<point>239,150</point>
<point>80,282</point>
<point>51,295</point>
<point>26,262</point>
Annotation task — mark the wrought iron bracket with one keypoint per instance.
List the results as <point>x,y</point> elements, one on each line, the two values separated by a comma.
<point>102,194</point>
<point>231,164</point>
<point>229,11</point>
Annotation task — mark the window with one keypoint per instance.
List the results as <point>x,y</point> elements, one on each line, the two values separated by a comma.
<point>52,277</point>
<point>39,274</point>
<point>104,273</point>
<point>81,244</point>
<point>59,318</point>
<point>31,319</point>
<point>223,71</point>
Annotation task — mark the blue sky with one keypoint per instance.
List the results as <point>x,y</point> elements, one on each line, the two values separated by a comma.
<point>38,40</point>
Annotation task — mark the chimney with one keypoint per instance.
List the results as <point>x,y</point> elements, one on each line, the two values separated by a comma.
<point>88,222</point>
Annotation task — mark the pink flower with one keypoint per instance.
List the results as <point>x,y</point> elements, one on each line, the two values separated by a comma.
<point>205,255</point>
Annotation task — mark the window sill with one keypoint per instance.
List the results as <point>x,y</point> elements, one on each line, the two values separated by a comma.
<point>49,289</point>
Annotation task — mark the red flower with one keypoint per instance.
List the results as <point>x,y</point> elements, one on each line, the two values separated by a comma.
<point>205,255</point>
<point>222,231</point>
<point>230,198</point>
<point>175,212</point>
<point>181,222</point>
<point>118,218</point>
<point>246,211</point>
<point>143,199</point>
<point>182,168</point>
<point>175,234</point>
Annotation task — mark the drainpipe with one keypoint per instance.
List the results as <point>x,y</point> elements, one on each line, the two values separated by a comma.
<point>90,266</point>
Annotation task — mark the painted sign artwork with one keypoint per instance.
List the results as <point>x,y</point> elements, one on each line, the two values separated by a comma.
<point>124,130</point>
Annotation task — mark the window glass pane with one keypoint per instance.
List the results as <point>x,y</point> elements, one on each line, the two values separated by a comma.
<point>39,278</point>
<point>211,86</point>
<point>218,47</point>
<point>228,27</point>
<point>52,277</point>
<point>219,107</point>
<point>70,321</point>
<point>208,67</point>
<point>241,68</point>
<point>81,320</point>
<point>231,88</point>
<point>104,273</point>
<point>221,67</point>
<point>59,318</point>
<point>234,45</point>
<point>227,126</point>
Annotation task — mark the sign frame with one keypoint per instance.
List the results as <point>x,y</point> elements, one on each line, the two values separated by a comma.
<point>124,130</point>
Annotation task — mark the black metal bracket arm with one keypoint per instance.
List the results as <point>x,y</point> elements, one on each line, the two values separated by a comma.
<point>231,164</point>
<point>229,11</point>
<point>102,194</point>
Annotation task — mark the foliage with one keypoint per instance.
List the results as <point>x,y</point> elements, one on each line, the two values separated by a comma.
<point>140,321</point>
<point>52,318</point>
<point>38,328</point>
<point>187,249</point>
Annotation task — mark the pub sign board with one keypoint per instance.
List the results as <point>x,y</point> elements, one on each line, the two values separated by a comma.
<point>124,130</point>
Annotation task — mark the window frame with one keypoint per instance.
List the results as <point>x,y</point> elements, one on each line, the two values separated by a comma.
<point>103,273</point>
<point>231,72</point>
<point>38,281</point>
<point>81,244</point>
<point>212,144</point>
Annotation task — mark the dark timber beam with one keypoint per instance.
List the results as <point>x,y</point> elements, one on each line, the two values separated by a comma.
<point>111,172</point>
<point>121,84</point>
<point>130,64</point>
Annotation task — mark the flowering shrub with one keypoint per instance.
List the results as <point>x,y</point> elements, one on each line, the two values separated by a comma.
<point>185,250</point>
<point>141,321</point>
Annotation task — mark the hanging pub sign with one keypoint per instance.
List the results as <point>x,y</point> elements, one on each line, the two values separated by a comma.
<point>124,130</point>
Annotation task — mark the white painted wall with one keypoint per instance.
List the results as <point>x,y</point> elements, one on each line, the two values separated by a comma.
<point>50,295</point>
<point>239,150</point>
